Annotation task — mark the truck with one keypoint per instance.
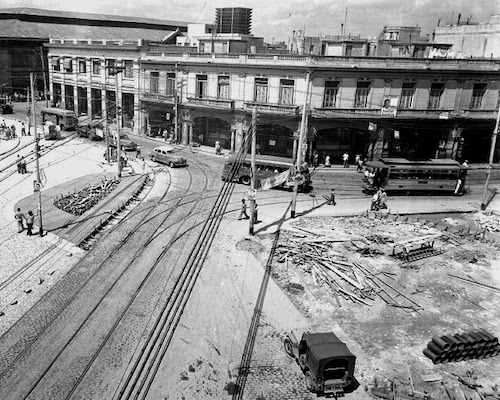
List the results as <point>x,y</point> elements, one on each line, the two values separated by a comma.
<point>325,360</point>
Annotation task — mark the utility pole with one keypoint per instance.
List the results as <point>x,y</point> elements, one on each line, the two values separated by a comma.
<point>299,146</point>
<point>176,107</point>
<point>38,185</point>
<point>115,71</point>
<point>490,162</point>
<point>252,191</point>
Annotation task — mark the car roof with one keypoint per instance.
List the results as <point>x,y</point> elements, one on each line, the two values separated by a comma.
<point>325,346</point>
<point>165,148</point>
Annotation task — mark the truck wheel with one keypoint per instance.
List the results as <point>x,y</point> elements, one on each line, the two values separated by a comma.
<point>288,347</point>
<point>245,180</point>
<point>309,381</point>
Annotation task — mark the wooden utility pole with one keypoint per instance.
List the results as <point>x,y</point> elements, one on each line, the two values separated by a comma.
<point>115,70</point>
<point>490,162</point>
<point>299,158</point>
<point>38,184</point>
<point>252,191</point>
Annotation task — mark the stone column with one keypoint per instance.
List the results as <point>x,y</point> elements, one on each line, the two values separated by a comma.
<point>102,79</point>
<point>378,145</point>
<point>187,128</point>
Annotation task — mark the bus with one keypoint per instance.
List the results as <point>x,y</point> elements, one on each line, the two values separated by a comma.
<point>405,176</point>
<point>66,119</point>
<point>266,167</point>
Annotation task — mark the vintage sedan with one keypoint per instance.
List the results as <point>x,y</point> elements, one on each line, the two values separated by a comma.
<point>166,155</point>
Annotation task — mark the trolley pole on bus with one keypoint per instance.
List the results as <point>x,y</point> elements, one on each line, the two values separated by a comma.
<point>37,183</point>
<point>299,158</point>
<point>490,162</point>
<point>252,192</point>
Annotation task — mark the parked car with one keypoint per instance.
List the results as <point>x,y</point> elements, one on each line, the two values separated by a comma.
<point>125,142</point>
<point>6,108</point>
<point>325,360</point>
<point>166,155</point>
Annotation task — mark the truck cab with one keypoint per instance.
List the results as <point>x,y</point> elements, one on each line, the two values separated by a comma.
<point>325,360</point>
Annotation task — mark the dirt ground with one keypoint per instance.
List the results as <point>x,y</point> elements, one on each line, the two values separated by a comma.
<point>388,340</point>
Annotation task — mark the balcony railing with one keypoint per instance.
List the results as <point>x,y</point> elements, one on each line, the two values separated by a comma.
<point>376,112</point>
<point>486,114</point>
<point>213,103</point>
<point>159,98</point>
<point>273,108</point>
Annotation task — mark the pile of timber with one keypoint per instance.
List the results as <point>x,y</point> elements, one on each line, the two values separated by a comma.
<point>348,280</point>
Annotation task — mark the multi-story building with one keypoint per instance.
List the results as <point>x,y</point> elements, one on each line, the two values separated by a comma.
<point>471,39</point>
<point>374,106</point>
<point>24,31</point>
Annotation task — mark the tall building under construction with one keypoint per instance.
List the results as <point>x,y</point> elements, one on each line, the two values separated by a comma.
<point>234,20</point>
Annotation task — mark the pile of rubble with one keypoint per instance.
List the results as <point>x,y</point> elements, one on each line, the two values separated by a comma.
<point>314,254</point>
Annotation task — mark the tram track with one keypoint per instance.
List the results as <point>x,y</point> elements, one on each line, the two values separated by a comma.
<point>45,372</point>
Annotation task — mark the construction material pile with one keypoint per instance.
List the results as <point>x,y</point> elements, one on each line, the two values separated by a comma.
<point>465,346</point>
<point>315,255</point>
<point>83,200</point>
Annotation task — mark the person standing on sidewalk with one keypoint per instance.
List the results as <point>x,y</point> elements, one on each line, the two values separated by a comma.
<point>243,211</point>
<point>331,200</point>
<point>23,129</point>
<point>345,159</point>
<point>30,220</point>
<point>24,168</point>
<point>19,216</point>
<point>19,164</point>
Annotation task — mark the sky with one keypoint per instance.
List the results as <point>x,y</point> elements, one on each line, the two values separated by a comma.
<point>275,20</point>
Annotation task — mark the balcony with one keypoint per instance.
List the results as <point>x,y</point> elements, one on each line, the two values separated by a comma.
<point>273,108</point>
<point>376,112</point>
<point>211,103</point>
<point>479,114</point>
<point>159,98</point>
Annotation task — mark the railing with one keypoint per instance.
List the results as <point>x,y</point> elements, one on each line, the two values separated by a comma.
<point>219,103</point>
<point>273,108</point>
<point>416,113</point>
<point>336,111</point>
<point>337,61</point>
<point>160,98</point>
<point>479,113</point>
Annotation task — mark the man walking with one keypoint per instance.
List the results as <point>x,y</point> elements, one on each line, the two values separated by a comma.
<point>19,216</point>
<point>331,200</point>
<point>19,164</point>
<point>243,211</point>
<point>24,169</point>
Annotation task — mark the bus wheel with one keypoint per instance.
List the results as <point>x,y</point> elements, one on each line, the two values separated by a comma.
<point>245,180</point>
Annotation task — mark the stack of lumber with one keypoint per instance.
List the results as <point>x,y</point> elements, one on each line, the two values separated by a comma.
<point>351,281</point>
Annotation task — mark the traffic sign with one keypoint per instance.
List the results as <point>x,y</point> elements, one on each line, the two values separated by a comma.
<point>252,193</point>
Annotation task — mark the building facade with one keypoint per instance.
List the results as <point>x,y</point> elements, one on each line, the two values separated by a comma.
<point>375,106</point>
<point>418,108</point>
<point>469,39</point>
<point>24,31</point>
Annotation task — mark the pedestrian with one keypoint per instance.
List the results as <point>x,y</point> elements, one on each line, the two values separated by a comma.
<point>345,159</point>
<point>24,168</point>
<point>243,211</point>
<point>23,129</point>
<point>382,201</point>
<point>13,130</point>
<point>331,200</point>
<point>255,220</point>
<point>357,158</point>
<point>19,164</point>
<point>465,164</point>
<point>359,164</point>
<point>374,204</point>
<point>315,159</point>
<point>327,162</point>
<point>19,216</point>
<point>138,149</point>
<point>217,147</point>
<point>29,223</point>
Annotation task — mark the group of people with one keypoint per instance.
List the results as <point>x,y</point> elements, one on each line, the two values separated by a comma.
<point>379,200</point>
<point>21,165</point>
<point>21,218</point>
<point>326,161</point>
